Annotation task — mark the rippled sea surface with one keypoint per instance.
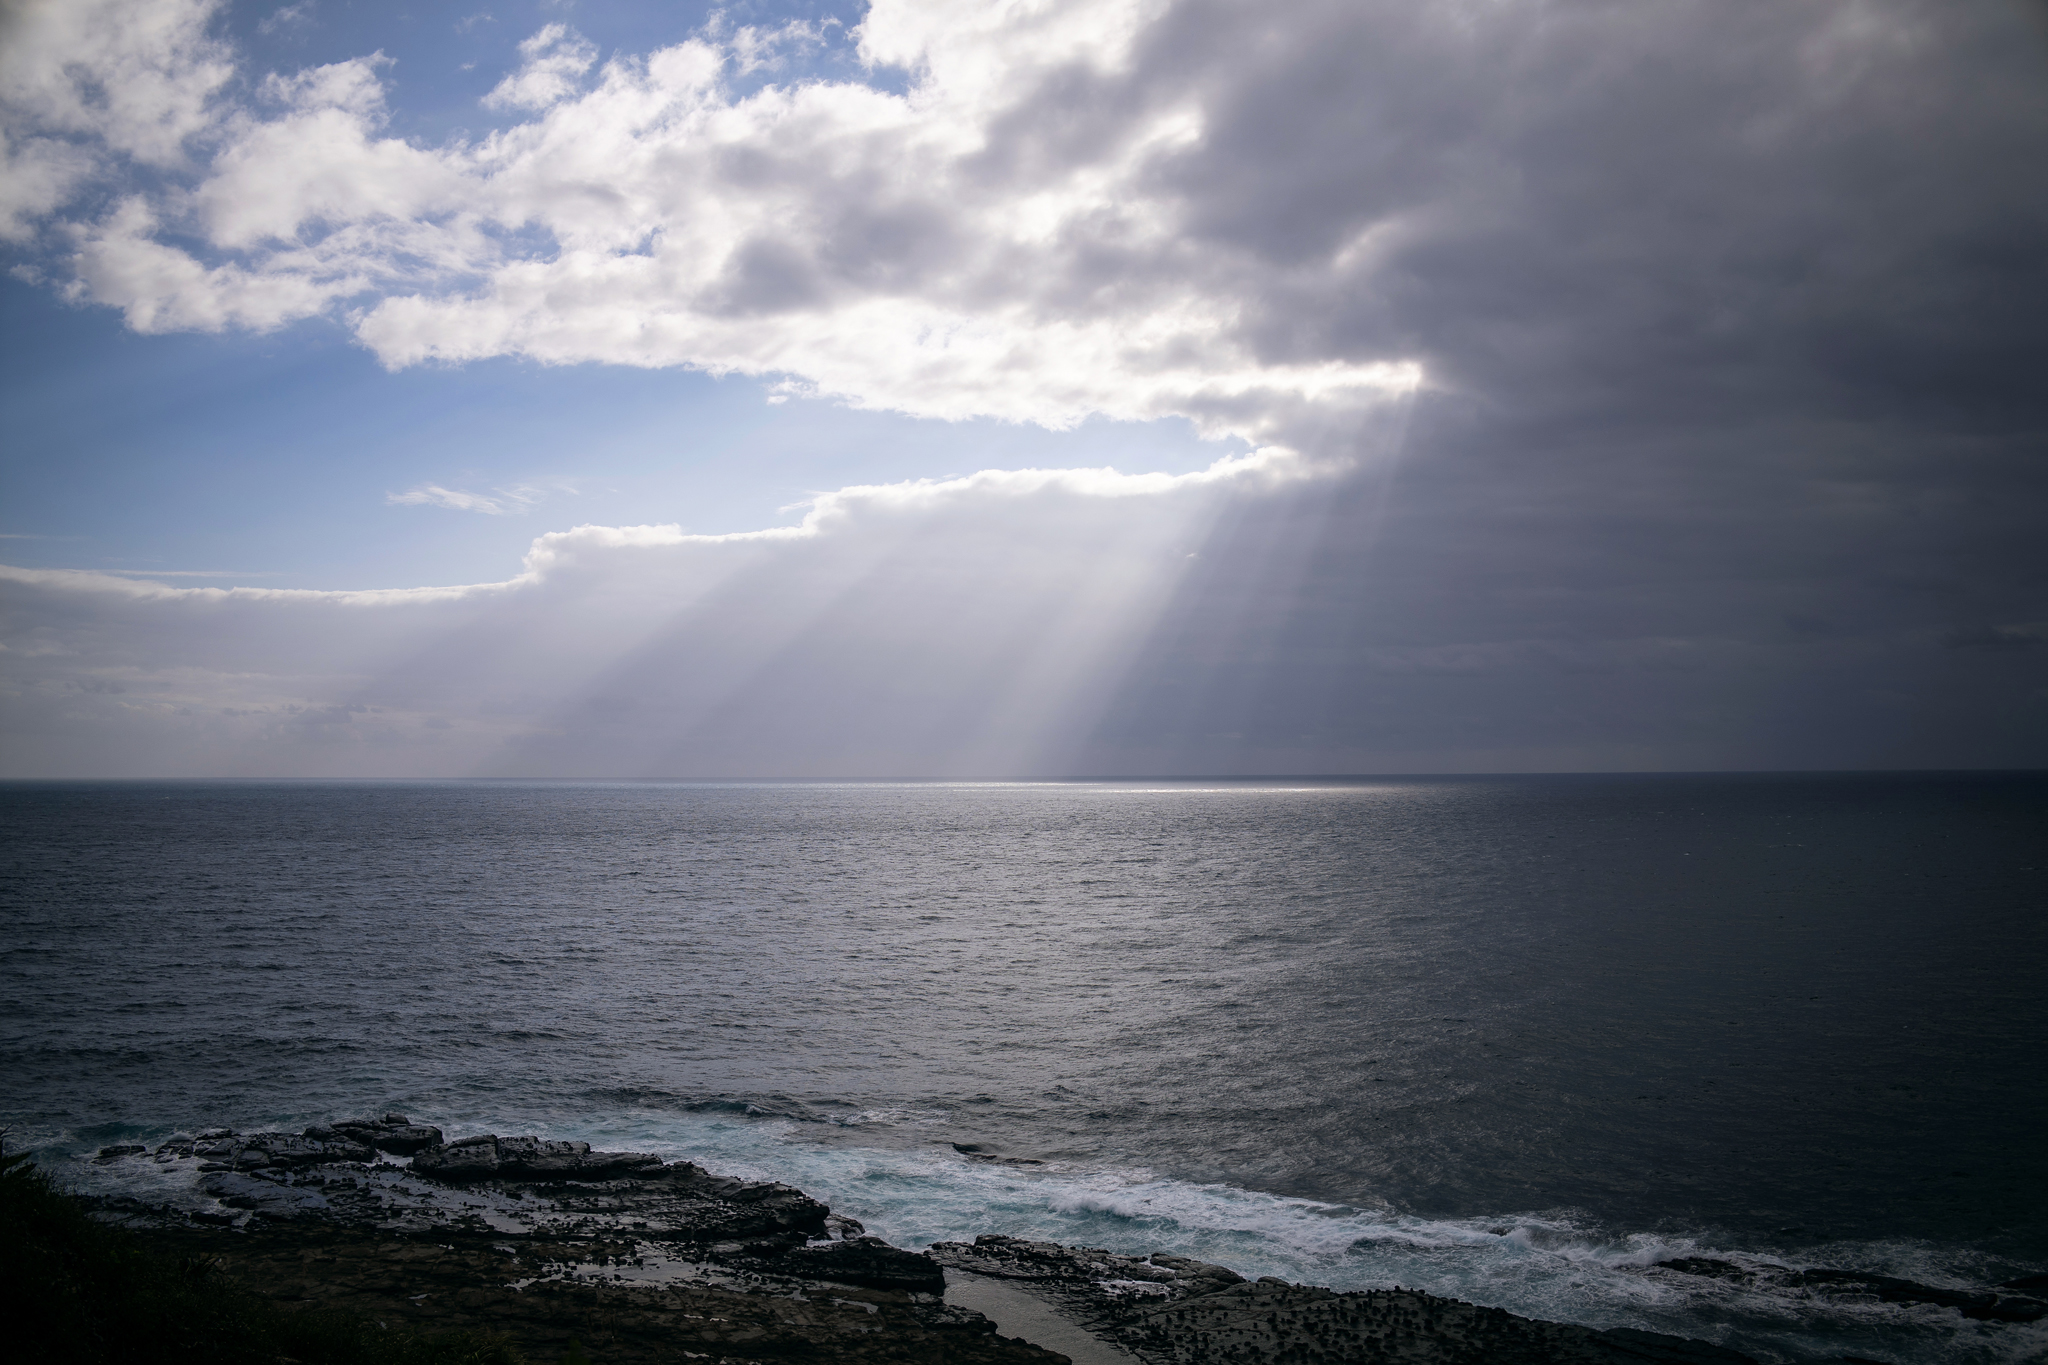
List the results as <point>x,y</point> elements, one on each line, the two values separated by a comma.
<point>1509,1039</point>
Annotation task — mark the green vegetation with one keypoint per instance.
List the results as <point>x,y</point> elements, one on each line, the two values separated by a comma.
<point>83,1293</point>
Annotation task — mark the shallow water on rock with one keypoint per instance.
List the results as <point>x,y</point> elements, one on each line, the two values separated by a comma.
<point>1509,1039</point>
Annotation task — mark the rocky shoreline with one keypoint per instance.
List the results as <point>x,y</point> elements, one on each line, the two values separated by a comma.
<point>638,1259</point>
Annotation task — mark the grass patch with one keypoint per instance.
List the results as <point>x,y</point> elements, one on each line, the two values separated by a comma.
<point>89,1294</point>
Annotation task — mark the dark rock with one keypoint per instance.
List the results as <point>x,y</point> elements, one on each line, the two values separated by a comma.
<point>1019,1258</point>
<point>1173,1310</point>
<point>473,1158</point>
<point>532,1159</point>
<point>117,1152</point>
<point>632,1192</point>
<point>291,1150</point>
<point>682,1204</point>
<point>2029,1282</point>
<point>404,1141</point>
<point>2013,1308</point>
<point>268,1198</point>
<point>1980,1304</point>
<point>1703,1265</point>
<point>394,1133</point>
<point>868,1261</point>
<point>1211,1278</point>
<point>974,1151</point>
<point>1894,1290</point>
<point>260,1151</point>
<point>529,1158</point>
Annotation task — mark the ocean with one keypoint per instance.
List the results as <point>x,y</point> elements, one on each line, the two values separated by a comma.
<point>1513,1040</point>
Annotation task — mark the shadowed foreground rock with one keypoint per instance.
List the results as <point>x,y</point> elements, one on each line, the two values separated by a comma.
<point>636,1259</point>
<point>1169,1310</point>
<point>545,1294</point>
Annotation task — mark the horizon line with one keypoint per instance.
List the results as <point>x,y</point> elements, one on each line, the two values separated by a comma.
<point>986,780</point>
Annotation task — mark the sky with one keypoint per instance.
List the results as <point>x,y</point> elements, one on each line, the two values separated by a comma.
<point>583,389</point>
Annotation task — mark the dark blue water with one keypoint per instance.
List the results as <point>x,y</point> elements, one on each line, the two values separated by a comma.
<point>1512,1039</point>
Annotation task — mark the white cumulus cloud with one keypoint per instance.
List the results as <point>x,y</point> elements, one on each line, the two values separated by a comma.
<point>140,80</point>
<point>929,252</point>
<point>554,62</point>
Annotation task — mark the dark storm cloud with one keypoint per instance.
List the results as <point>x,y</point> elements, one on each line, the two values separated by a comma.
<point>1736,438</point>
<point>1475,613</point>
<point>1662,211</point>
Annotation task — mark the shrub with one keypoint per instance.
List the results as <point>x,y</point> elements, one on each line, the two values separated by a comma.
<point>81,1292</point>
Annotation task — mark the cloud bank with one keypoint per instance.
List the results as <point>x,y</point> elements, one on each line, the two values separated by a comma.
<point>969,625</point>
<point>1669,372</point>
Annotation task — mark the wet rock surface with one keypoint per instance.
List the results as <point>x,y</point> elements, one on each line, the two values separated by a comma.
<point>1171,1310</point>
<point>343,1173</point>
<point>866,1261</point>
<point>527,1158</point>
<point>267,1197</point>
<point>394,1133</point>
